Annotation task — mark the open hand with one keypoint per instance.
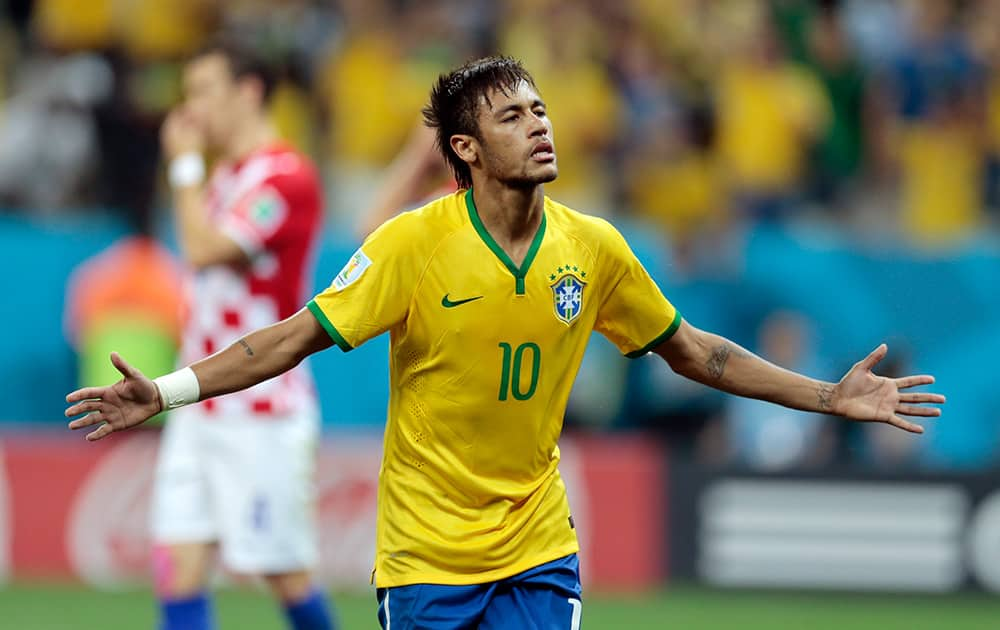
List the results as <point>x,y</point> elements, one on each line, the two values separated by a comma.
<point>127,403</point>
<point>863,396</point>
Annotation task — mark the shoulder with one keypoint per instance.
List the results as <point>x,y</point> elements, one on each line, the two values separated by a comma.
<point>289,171</point>
<point>422,229</point>
<point>594,232</point>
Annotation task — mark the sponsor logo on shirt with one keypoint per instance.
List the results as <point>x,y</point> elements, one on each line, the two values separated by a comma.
<point>448,303</point>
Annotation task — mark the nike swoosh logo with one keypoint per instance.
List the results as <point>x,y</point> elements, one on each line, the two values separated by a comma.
<point>445,302</point>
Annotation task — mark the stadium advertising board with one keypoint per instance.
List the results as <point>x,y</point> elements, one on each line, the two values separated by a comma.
<point>80,511</point>
<point>5,523</point>
<point>926,533</point>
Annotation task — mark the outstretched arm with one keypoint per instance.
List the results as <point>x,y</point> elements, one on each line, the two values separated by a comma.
<point>261,355</point>
<point>860,395</point>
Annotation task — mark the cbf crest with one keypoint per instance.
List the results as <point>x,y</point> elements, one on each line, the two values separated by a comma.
<point>567,295</point>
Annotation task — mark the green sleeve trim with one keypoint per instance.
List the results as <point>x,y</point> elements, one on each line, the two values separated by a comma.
<point>666,334</point>
<point>328,326</point>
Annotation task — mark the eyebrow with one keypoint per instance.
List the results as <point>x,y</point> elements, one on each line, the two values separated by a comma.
<point>518,107</point>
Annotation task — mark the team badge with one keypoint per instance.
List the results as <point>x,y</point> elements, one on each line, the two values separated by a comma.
<point>567,295</point>
<point>267,211</point>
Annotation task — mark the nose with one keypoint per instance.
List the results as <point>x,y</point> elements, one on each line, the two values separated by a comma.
<point>538,127</point>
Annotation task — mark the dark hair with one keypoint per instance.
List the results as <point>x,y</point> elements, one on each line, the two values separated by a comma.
<point>243,62</point>
<point>455,102</point>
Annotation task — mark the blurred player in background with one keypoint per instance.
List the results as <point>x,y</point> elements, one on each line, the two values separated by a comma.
<point>490,295</point>
<point>415,174</point>
<point>237,473</point>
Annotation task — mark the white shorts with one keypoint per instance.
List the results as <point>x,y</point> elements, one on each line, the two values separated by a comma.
<point>248,485</point>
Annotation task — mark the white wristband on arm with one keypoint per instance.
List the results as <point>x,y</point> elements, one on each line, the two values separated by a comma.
<point>187,169</point>
<point>178,388</point>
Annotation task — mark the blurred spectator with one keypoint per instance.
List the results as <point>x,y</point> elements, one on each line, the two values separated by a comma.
<point>375,84</point>
<point>69,25</point>
<point>377,80</point>
<point>145,29</point>
<point>50,143</point>
<point>770,111</point>
<point>672,179</point>
<point>936,97</point>
<point>839,151</point>
<point>874,29</point>
<point>125,299</point>
<point>985,39</point>
<point>668,169</point>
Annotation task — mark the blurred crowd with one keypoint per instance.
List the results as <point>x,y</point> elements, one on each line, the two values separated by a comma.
<point>882,112</point>
<point>880,116</point>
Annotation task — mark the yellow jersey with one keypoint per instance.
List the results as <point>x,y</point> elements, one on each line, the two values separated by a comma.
<point>483,356</point>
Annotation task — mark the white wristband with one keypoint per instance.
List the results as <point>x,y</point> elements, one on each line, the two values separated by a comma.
<point>178,388</point>
<point>187,169</point>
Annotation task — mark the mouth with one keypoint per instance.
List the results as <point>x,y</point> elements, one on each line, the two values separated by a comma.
<point>543,153</point>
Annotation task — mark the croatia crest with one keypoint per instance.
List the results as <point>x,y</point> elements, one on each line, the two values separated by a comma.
<point>567,294</point>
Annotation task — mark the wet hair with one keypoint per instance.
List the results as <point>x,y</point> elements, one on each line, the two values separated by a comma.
<point>243,62</point>
<point>455,99</point>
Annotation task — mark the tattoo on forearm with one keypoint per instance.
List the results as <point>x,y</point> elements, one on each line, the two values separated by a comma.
<point>824,396</point>
<point>716,363</point>
<point>246,347</point>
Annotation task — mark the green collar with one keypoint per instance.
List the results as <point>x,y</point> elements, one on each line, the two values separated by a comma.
<point>518,273</point>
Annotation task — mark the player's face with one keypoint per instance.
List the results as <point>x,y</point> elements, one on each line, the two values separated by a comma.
<point>516,137</point>
<point>210,97</point>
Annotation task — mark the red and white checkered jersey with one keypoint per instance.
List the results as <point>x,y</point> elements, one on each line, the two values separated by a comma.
<point>270,204</point>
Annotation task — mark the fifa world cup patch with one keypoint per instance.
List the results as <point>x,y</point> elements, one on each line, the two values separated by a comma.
<point>567,292</point>
<point>352,270</point>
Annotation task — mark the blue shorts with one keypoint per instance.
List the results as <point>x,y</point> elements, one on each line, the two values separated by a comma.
<point>546,597</point>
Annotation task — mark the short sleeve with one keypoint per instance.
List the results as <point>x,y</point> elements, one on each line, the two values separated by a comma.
<point>372,293</point>
<point>634,314</point>
<point>277,211</point>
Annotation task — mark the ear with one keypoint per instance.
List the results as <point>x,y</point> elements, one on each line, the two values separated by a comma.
<point>465,147</point>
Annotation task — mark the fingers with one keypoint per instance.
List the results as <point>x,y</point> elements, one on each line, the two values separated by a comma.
<point>876,355</point>
<point>898,422</point>
<point>93,417</point>
<point>88,420</point>
<point>103,431</point>
<point>922,398</point>
<point>94,410</point>
<point>122,366</point>
<point>85,393</point>
<point>916,410</point>
<point>904,382</point>
<point>87,406</point>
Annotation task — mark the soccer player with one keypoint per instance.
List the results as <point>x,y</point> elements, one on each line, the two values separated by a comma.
<point>489,295</point>
<point>238,472</point>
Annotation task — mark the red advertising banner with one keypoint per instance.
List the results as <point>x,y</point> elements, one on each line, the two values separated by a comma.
<point>70,509</point>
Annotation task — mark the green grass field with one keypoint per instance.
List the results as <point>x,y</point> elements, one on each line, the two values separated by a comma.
<point>51,607</point>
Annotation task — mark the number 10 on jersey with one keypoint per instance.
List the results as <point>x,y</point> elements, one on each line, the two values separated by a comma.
<point>512,361</point>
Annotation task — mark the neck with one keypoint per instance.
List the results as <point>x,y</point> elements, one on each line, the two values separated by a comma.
<point>511,215</point>
<point>250,138</point>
